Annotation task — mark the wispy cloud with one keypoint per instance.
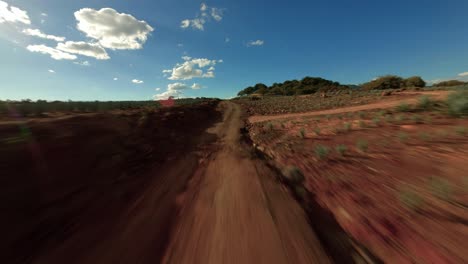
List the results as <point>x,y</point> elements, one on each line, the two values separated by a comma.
<point>463,74</point>
<point>82,63</point>
<point>54,53</point>
<point>51,71</point>
<point>255,43</point>
<point>116,79</point>
<point>93,50</point>
<point>207,14</point>
<point>39,34</point>
<point>136,81</point>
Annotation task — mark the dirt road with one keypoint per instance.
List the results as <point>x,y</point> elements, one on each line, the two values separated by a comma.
<point>148,193</point>
<point>379,105</point>
<point>234,211</point>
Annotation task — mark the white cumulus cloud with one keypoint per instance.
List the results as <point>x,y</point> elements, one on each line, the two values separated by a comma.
<point>116,79</point>
<point>165,95</point>
<point>207,14</point>
<point>192,68</point>
<point>256,43</point>
<point>136,81</point>
<point>83,48</point>
<point>54,53</point>
<point>39,34</point>
<point>13,14</point>
<point>113,30</point>
<point>175,90</point>
<point>51,71</point>
<point>463,74</point>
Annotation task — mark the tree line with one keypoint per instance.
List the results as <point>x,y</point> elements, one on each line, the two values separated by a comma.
<point>312,85</point>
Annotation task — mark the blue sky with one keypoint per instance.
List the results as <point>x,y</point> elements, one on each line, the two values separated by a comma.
<point>216,48</point>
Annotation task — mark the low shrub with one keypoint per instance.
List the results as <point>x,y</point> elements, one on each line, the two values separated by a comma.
<point>321,151</point>
<point>317,131</point>
<point>362,145</point>
<point>403,107</point>
<point>425,103</point>
<point>411,199</point>
<point>347,126</point>
<point>294,175</point>
<point>402,136</point>
<point>462,131</point>
<point>341,149</point>
<point>458,103</point>
<point>441,188</point>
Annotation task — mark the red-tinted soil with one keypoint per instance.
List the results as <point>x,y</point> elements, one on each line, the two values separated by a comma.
<point>96,188</point>
<point>405,198</point>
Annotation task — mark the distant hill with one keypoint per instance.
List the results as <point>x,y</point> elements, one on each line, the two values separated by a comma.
<point>308,85</point>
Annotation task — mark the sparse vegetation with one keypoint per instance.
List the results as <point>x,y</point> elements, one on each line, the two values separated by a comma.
<point>441,188</point>
<point>458,103</point>
<point>462,131</point>
<point>341,149</point>
<point>403,137</point>
<point>425,103</point>
<point>403,107</point>
<point>347,126</point>
<point>411,199</point>
<point>362,145</point>
<point>302,133</point>
<point>401,118</point>
<point>362,124</point>
<point>376,121</point>
<point>424,136</point>
<point>317,131</point>
<point>322,151</point>
<point>29,108</point>
<point>294,175</point>
<point>417,119</point>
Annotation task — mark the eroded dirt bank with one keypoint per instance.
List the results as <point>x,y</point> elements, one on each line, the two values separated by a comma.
<point>98,189</point>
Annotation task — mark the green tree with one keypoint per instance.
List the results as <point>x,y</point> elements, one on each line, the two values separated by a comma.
<point>449,83</point>
<point>415,81</point>
<point>384,82</point>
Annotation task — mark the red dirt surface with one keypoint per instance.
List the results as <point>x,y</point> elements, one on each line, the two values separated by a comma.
<point>146,188</point>
<point>405,199</point>
<point>387,102</point>
<point>96,189</point>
